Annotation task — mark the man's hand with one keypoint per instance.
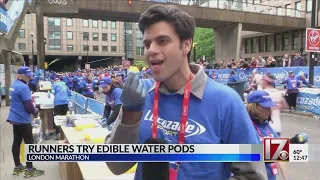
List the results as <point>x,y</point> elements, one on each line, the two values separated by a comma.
<point>133,94</point>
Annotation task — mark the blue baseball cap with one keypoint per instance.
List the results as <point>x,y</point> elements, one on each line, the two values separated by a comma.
<point>260,97</point>
<point>105,81</point>
<point>118,74</point>
<point>25,71</point>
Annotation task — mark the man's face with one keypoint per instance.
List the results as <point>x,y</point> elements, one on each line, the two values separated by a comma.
<point>119,78</point>
<point>107,88</point>
<point>165,55</point>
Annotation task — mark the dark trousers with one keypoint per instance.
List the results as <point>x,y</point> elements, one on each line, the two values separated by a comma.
<point>60,110</point>
<point>292,100</point>
<point>23,131</point>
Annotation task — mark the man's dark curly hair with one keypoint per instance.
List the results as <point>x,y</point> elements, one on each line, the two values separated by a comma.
<point>182,22</point>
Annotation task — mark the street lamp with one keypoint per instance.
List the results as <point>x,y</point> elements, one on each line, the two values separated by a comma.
<point>33,61</point>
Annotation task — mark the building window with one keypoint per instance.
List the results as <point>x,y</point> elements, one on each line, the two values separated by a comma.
<point>255,45</point>
<point>85,48</point>
<point>95,48</point>
<point>21,33</point>
<point>50,21</point>
<point>104,37</point>
<point>277,42</point>
<point>113,25</point>
<point>248,45</point>
<point>69,22</point>
<point>309,5</point>
<point>113,48</point>
<point>54,35</point>
<point>94,23</point>
<point>278,11</point>
<point>57,22</point>
<point>69,35</point>
<point>104,48</point>
<point>288,10</point>
<point>303,43</point>
<point>140,51</point>
<point>85,36</point>
<point>262,43</point>
<point>104,24</point>
<point>298,8</point>
<point>285,43</point>
<point>295,41</point>
<point>113,37</point>
<point>22,46</point>
<point>69,47</point>
<point>268,43</point>
<point>85,23</point>
<point>95,37</point>
<point>54,44</point>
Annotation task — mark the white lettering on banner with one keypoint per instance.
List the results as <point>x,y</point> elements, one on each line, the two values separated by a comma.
<point>223,76</point>
<point>317,78</point>
<point>172,127</point>
<point>62,2</point>
<point>280,76</point>
<point>309,101</point>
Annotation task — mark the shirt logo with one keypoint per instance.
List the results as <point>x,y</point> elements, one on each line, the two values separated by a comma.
<point>172,128</point>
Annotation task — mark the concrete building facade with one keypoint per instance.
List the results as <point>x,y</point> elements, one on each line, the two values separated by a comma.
<point>278,44</point>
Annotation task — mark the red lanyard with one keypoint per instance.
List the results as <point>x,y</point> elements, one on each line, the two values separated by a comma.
<point>184,115</point>
<point>259,132</point>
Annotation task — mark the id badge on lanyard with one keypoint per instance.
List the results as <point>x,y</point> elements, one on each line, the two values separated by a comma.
<point>274,169</point>
<point>173,172</point>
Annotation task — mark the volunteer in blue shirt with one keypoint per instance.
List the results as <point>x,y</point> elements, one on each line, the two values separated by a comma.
<point>21,109</point>
<point>215,113</point>
<point>302,78</point>
<point>87,88</point>
<point>259,109</point>
<point>233,77</point>
<point>33,84</point>
<point>61,100</point>
<point>77,81</point>
<point>292,85</point>
<point>113,103</point>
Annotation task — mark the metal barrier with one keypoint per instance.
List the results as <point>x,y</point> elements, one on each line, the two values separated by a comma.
<point>84,105</point>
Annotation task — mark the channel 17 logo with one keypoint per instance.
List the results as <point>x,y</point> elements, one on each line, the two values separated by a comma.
<point>276,149</point>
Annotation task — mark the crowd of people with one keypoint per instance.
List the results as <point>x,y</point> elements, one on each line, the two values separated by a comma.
<point>169,87</point>
<point>256,62</point>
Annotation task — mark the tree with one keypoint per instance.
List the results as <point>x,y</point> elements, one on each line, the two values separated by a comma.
<point>205,46</point>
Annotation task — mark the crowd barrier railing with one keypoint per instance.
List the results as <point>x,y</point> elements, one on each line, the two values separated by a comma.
<point>279,72</point>
<point>83,105</point>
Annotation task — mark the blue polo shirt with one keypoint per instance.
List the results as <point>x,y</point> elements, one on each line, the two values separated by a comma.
<point>19,93</point>
<point>220,117</point>
<point>113,98</point>
<point>61,93</point>
<point>265,129</point>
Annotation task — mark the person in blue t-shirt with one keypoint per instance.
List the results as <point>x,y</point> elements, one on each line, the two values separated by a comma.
<point>292,85</point>
<point>87,88</point>
<point>216,113</point>
<point>233,77</point>
<point>61,100</point>
<point>21,109</point>
<point>33,84</point>
<point>302,78</point>
<point>259,109</point>
<point>77,82</point>
<point>113,91</point>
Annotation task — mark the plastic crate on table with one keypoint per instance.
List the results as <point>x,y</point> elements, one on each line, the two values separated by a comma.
<point>60,120</point>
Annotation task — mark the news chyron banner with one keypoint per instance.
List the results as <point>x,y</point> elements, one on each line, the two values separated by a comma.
<point>9,13</point>
<point>274,149</point>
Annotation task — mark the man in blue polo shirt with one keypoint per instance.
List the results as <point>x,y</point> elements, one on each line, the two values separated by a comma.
<point>216,114</point>
<point>21,109</point>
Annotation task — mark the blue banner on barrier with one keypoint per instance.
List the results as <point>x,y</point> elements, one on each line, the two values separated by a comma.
<point>81,100</point>
<point>308,102</point>
<point>279,72</point>
<point>95,106</point>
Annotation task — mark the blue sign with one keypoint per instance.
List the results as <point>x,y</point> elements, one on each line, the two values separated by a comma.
<point>95,106</point>
<point>280,73</point>
<point>8,15</point>
<point>308,102</point>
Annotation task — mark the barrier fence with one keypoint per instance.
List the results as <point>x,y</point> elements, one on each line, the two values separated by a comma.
<point>280,73</point>
<point>83,105</point>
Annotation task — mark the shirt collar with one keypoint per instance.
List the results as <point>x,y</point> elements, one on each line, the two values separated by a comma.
<point>198,83</point>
